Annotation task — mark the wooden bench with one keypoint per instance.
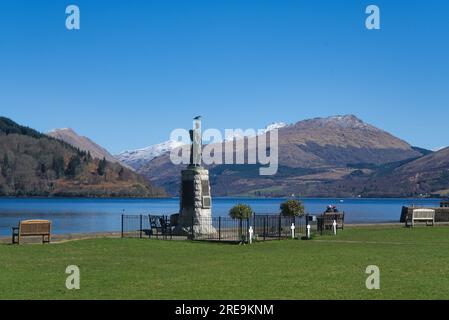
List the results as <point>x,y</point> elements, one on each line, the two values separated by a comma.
<point>326,221</point>
<point>422,215</point>
<point>31,228</point>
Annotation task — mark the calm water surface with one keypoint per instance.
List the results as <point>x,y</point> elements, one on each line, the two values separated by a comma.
<point>100,215</point>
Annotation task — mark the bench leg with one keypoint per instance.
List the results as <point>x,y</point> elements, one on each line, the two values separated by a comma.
<point>48,238</point>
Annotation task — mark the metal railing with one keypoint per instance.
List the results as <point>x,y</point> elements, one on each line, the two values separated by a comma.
<point>263,227</point>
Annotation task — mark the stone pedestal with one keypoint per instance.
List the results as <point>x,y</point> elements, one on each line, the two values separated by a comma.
<point>196,203</point>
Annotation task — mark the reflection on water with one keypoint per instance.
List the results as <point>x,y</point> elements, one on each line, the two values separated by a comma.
<point>99,215</point>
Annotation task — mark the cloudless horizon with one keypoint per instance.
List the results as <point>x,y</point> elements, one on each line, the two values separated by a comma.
<point>138,69</point>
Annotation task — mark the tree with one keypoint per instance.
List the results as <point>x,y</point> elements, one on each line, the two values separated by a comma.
<point>292,208</point>
<point>124,174</point>
<point>241,211</point>
<point>5,165</point>
<point>43,168</point>
<point>102,167</point>
<point>73,166</point>
<point>58,166</point>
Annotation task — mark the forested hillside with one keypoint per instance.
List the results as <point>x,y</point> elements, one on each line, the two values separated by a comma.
<point>33,164</point>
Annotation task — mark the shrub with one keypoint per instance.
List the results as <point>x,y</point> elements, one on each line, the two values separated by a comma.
<point>241,211</point>
<point>292,208</point>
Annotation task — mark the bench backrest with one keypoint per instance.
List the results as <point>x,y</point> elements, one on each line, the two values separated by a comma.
<point>34,227</point>
<point>337,216</point>
<point>423,214</point>
<point>154,221</point>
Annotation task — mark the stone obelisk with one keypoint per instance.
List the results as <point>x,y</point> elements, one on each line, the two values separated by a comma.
<point>196,201</point>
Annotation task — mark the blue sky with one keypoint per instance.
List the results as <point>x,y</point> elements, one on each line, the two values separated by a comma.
<point>138,69</point>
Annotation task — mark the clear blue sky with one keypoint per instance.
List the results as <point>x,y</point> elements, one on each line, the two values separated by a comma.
<point>138,69</point>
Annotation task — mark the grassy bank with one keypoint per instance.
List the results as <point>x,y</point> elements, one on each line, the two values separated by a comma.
<point>414,264</point>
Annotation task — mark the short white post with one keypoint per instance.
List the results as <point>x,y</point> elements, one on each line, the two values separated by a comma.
<point>293,230</point>
<point>251,231</point>
<point>308,231</point>
<point>334,227</point>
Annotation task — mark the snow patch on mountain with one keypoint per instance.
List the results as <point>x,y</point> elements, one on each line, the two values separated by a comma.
<point>137,158</point>
<point>344,121</point>
<point>270,127</point>
<point>438,149</point>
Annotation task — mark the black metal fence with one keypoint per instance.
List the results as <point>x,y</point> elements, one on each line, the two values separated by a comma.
<point>146,226</point>
<point>260,227</point>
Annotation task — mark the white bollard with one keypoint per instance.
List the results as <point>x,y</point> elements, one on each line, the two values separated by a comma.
<point>334,227</point>
<point>251,231</point>
<point>308,231</point>
<point>293,230</point>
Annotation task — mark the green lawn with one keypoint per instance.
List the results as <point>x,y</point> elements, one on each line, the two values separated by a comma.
<point>414,264</point>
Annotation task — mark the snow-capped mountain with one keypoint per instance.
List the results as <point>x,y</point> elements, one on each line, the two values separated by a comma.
<point>438,149</point>
<point>270,127</point>
<point>273,126</point>
<point>343,121</point>
<point>137,158</point>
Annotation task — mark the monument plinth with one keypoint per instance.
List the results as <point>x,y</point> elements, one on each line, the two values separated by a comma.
<point>196,201</point>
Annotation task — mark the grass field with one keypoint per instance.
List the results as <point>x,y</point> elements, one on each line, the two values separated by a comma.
<point>414,264</point>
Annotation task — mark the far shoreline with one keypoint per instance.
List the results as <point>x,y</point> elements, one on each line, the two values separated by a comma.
<point>223,197</point>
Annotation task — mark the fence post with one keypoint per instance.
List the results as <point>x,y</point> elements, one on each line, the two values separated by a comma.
<point>305,227</point>
<point>140,226</point>
<point>122,224</point>
<point>279,227</point>
<point>171,228</point>
<point>254,222</point>
<point>219,228</point>
<point>265,228</point>
<point>191,229</point>
<point>247,231</point>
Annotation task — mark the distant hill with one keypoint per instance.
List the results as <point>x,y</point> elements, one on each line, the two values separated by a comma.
<point>33,164</point>
<point>83,143</point>
<point>426,175</point>
<point>321,157</point>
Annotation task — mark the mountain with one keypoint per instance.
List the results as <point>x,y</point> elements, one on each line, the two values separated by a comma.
<point>423,176</point>
<point>317,157</point>
<point>338,141</point>
<point>137,158</point>
<point>83,143</point>
<point>34,164</point>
